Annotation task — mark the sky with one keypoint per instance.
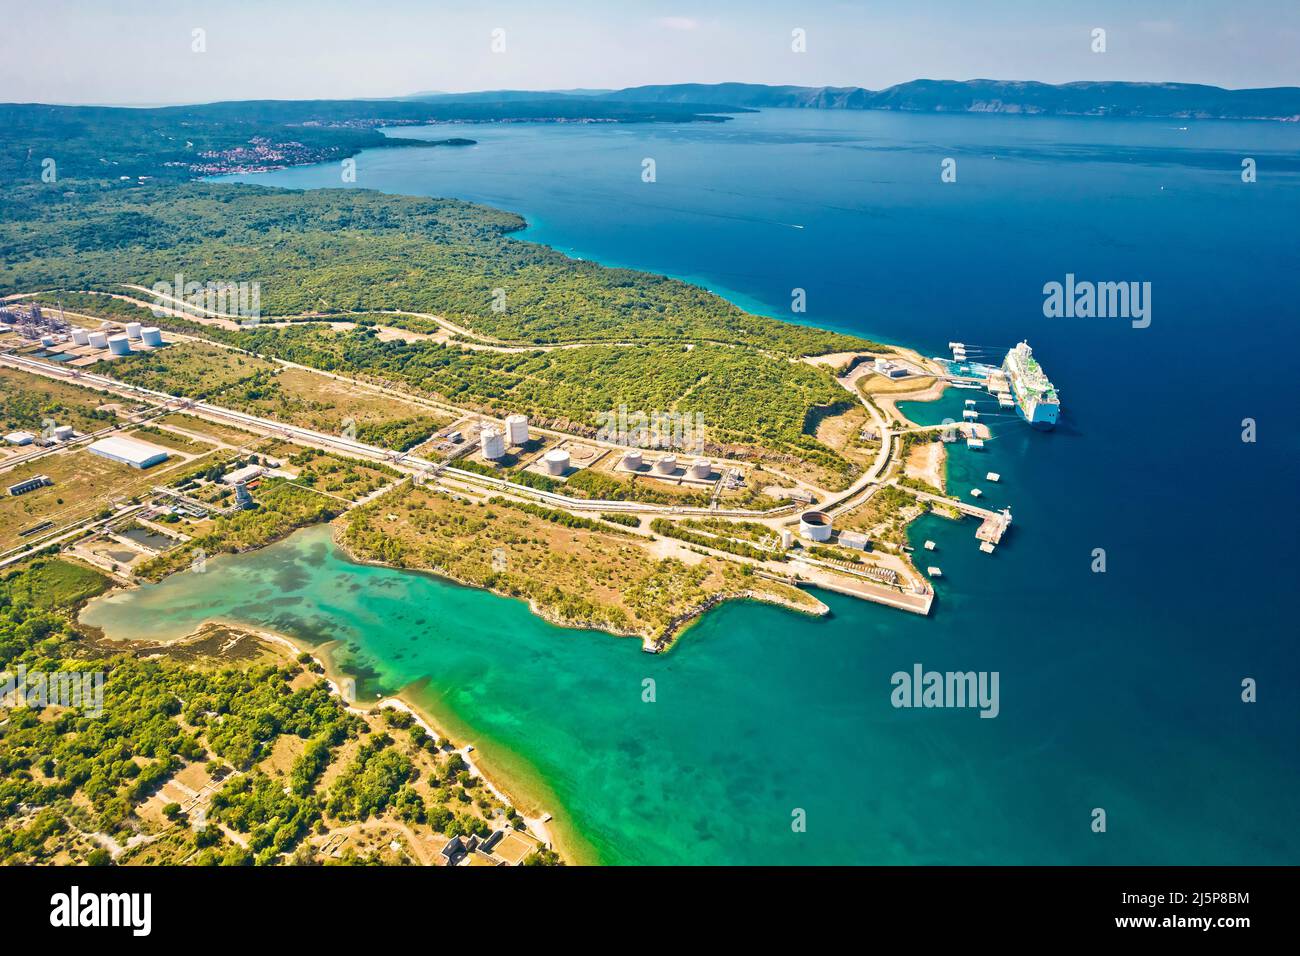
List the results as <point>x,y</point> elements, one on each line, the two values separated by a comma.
<point>139,52</point>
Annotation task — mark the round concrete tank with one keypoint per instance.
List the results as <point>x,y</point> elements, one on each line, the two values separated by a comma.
<point>815,525</point>
<point>119,345</point>
<point>701,468</point>
<point>98,339</point>
<point>556,461</point>
<point>80,337</point>
<point>133,330</point>
<point>151,336</point>
<point>494,444</point>
<point>517,430</point>
<point>632,460</point>
<point>666,465</point>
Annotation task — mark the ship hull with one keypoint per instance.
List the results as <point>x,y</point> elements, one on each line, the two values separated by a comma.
<point>1043,421</point>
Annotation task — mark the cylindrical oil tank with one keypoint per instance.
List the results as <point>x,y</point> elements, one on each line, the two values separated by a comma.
<point>556,461</point>
<point>151,335</point>
<point>494,444</point>
<point>517,430</point>
<point>666,465</point>
<point>119,345</point>
<point>632,460</point>
<point>133,330</point>
<point>98,339</point>
<point>80,337</point>
<point>815,525</point>
<point>701,468</point>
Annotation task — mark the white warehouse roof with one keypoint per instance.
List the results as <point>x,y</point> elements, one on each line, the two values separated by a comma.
<point>131,451</point>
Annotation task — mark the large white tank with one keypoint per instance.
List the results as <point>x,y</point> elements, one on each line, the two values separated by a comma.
<point>151,336</point>
<point>701,468</point>
<point>632,460</point>
<point>80,337</point>
<point>98,339</point>
<point>494,444</point>
<point>815,525</point>
<point>556,461</point>
<point>119,345</point>
<point>133,330</point>
<point>517,430</point>
<point>666,465</point>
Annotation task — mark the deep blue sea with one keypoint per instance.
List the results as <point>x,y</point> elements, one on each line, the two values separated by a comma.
<point>1119,690</point>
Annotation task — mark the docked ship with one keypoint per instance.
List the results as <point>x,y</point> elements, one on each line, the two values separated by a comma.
<point>1035,397</point>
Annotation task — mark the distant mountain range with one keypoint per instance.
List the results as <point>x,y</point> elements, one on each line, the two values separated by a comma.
<point>1170,100</point>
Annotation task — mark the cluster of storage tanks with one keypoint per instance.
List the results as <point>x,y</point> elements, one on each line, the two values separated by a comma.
<point>494,442</point>
<point>119,344</point>
<point>700,469</point>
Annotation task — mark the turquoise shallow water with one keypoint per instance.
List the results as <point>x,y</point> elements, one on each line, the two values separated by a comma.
<point>1118,690</point>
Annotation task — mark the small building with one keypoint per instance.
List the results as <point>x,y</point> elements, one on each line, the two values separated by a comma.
<point>854,539</point>
<point>889,369</point>
<point>63,433</point>
<point>20,438</point>
<point>29,484</point>
<point>129,451</point>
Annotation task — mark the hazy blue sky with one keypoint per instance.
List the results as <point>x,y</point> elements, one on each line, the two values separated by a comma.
<point>132,51</point>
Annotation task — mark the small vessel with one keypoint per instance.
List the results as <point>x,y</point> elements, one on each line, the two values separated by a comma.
<point>1036,398</point>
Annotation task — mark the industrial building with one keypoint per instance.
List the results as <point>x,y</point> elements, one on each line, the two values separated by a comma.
<point>30,484</point>
<point>129,451</point>
<point>854,539</point>
<point>20,438</point>
<point>241,475</point>
<point>517,430</point>
<point>63,433</point>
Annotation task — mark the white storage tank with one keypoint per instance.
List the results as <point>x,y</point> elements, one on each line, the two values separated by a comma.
<point>98,340</point>
<point>556,461</point>
<point>151,335</point>
<point>80,337</point>
<point>133,330</point>
<point>494,444</point>
<point>666,465</point>
<point>701,468</point>
<point>815,526</point>
<point>787,538</point>
<point>119,345</point>
<point>517,430</point>
<point>63,433</point>
<point>632,460</point>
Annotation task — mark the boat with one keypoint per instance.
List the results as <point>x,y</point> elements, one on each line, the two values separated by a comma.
<point>1036,398</point>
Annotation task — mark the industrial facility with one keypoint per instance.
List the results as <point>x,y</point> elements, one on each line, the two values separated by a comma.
<point>129,451</point>
<point>29,484</point>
